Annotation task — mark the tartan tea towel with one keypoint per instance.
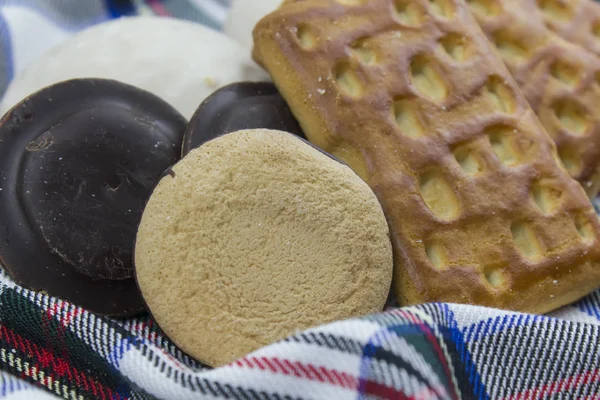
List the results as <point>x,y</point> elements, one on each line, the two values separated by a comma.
<point>433,351</point>
<point>51,348</point>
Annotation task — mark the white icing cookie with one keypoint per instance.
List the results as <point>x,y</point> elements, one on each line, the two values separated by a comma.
<point>179,61</point>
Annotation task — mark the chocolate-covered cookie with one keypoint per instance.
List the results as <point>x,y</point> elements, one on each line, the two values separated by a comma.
<point>78,161</point>
<point>243,105</point>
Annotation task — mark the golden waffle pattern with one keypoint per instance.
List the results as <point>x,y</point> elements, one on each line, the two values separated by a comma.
<point>578,21</point>
<point>560,80</point>
<point>413,97</point>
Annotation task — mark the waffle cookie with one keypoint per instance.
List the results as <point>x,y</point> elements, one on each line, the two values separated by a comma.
<point>560,80</point>
<point>578,21</point>
<point>414,98</point>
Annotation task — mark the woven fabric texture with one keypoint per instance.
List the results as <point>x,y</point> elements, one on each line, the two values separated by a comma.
<point>52,349</point>
<point>433,351</point>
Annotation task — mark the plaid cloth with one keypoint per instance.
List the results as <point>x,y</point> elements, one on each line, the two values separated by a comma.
<point>51,348</point>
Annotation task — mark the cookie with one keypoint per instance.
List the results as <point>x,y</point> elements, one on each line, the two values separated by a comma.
<point>242,17</point>
<point>578,21</point>
<point>559,79</point>
<point>255,235</point>
<point>413,96</point>
<point>78,161</point>
<point>179,61</point>
<point>241,105</point>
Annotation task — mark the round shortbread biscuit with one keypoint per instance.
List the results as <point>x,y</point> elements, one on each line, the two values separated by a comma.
<point>255,235</point>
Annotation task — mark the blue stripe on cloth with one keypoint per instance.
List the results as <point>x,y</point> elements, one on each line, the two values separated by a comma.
<point>461,346</point>
<point>6,56</point>
<point>117,352</point>
<point>10,384</point>
<point>500,323</point>
<point>119,8</point>
<point>66,15</point>
<point>590,305</point>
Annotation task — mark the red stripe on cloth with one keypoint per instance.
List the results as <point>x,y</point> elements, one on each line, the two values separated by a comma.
<point>81,381</point>
<point>57,310</point>
<point>59,368</point>
<point>304,371</point>
<point>158,8</point>
<point>144,329</point>
<point>257,361</point>
<point>385,392</point>
<point>559,386</point>
<point>343,379</point>
<point>272,367</point>
<point>292,368</point>
<point>321,375</point>
<point>330,376</point>
<point>281,366</point>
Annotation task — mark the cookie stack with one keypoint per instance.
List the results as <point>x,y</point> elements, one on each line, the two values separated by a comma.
<point>416,100</point>
<point>452,145</point>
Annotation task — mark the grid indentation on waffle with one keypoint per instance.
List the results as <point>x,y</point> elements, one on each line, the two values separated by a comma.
<point>547,196</point>
<point>566,72</point>
<point>467,157</point>
<point>364,51</point>
<point>348,81</point>
<point>577,21</point>
<point>426,79</point>
<point>502,140</point>
<point>596,29</point>
<point>512,48</point>
<point>406,115</point>
<point>497,140</point>
<point>306,36</point>
<point>584,228</point>
<point>351,2</point>
<point>572,116</point>
<point>488,8</point>
<point>502,97</point>
<point>438,195</point>
<point>408,12</point>
<point>565,95</point>
<point>457,46</point>
<point>556,10</point>
<point>442,8</point>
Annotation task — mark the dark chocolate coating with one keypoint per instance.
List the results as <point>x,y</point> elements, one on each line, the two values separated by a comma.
<point>242,105</point>
<point>78,162</point>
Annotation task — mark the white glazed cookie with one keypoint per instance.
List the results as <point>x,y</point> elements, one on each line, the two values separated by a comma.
<point>255,235</point>
<point>179,61</point>
<point>243,15</point>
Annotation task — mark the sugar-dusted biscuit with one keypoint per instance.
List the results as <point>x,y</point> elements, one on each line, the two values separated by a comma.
<point>415,99</point>
<point>560,80</point>
<point>257,234</point>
